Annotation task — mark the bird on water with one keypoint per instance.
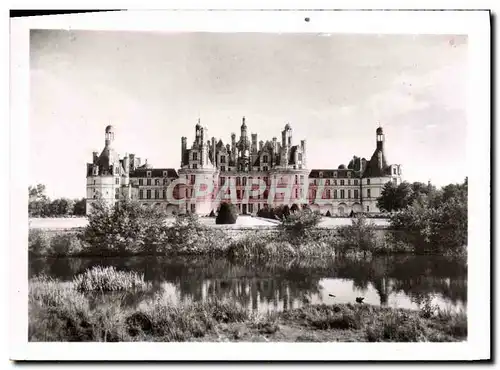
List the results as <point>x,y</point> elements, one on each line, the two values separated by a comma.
<point>360,299</point>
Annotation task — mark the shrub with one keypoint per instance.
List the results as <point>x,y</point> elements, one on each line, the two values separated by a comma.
<point>212,213</point>
<point>127,228</point>
<point>66,244</point>
<point>38,242</point>
<point>360,235</point>
<point>328,214</point>
<point>108,279</point>
<point>298,225</point>
<point>227,214</point>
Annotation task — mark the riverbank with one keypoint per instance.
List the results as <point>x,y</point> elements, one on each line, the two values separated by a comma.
<point>63,311</point>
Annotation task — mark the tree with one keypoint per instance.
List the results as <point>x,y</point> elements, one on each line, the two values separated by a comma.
<point>38,201</point>
<point>227,214</point>
<point>80,207</point>
<point>395,197</point>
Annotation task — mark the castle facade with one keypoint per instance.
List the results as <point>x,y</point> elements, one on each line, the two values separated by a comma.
<point>249,173</point>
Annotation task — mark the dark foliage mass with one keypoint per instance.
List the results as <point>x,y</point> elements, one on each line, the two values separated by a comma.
<point>227,214</point>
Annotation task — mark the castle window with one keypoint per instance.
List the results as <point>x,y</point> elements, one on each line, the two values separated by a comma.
<point>222,159</point>
<point>222,169</point>
<point>148,174</point>
<point>164,194</point>
<point>328,194</point>
<point>335,194</point>
<point>94,182</point>
<point>367,208</point>
<point>296,179</point>
<point>193,208</point>
<point>356,193</point>
<point>355,182</point>
<point>342,194</point>
<point>157,194</point>
<point>300,157</point>
<point>193,178</point>
<point>165,181</point>
<point>140,182</point>
<point>342,182</point>
<point>148,194</point>
<point>244,181</point>
<point>367,181</point>
<point>222,180</point>
<point>195,156</point>
<point>117,181</point>
<point>349,182</point>
<point>265,169</point>
<point>164,173</point>
<point>296,192</point>
<point>157,182</point>
<point>195,166</point>
<point>327,182</point>
<point>335,182</point>
<point>141,194</point>
<point>348,174</point>
<point>265,159</point>
<point>148,182</point>
<point>394,170</point>
<point>349,193</point>
<point>368,193</point>
<point>117,193</point>
<point>238,181</point>
<point>334,173</point>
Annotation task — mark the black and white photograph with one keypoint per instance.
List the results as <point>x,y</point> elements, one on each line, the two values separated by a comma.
<point>188,184</point>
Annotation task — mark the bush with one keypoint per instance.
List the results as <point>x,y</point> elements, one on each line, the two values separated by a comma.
<point>359,236</point>
<point>297,226</point>
<point>227,214</point>
<point>212,213</point>
<point>126,228</point>
<point>108,279</point>
<point>328,214</point>
<point>38,242</point>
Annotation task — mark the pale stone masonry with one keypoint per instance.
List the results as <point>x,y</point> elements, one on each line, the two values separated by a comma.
<point>249,173</point>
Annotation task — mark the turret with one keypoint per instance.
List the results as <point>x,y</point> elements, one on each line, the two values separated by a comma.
<point>109,135</point>
<point>126,164</point>
<point>380,138</point>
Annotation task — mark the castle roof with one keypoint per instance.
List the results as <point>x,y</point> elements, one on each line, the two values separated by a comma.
<point>155,172</point>
<point>377,165</point>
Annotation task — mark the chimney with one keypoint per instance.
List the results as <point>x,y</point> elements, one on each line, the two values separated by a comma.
<point>283,138</point>
<point>254,143</point>
<point>183,149</point>
<point>275,145</point>
<point>214,157</point>
<point>126,164</point>
<point>233,146</point>
<point>132,162</point>
<point>261,145</point>
<point>95,157</point>
<point>304,152</point>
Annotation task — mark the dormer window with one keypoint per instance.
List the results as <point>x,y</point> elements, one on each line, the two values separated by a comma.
<point>321,174</point>
<point>348,174</point>
<point>264,159</point>
<point>334,173</point>
<point>164,173</point>
<point>148,173</point>
<point>195,156</point>
<point>222,159</point>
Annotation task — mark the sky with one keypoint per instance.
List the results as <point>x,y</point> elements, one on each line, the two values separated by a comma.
<point>333,89</point>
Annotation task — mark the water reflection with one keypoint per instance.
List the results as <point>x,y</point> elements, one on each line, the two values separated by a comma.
<point>403,281</point>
